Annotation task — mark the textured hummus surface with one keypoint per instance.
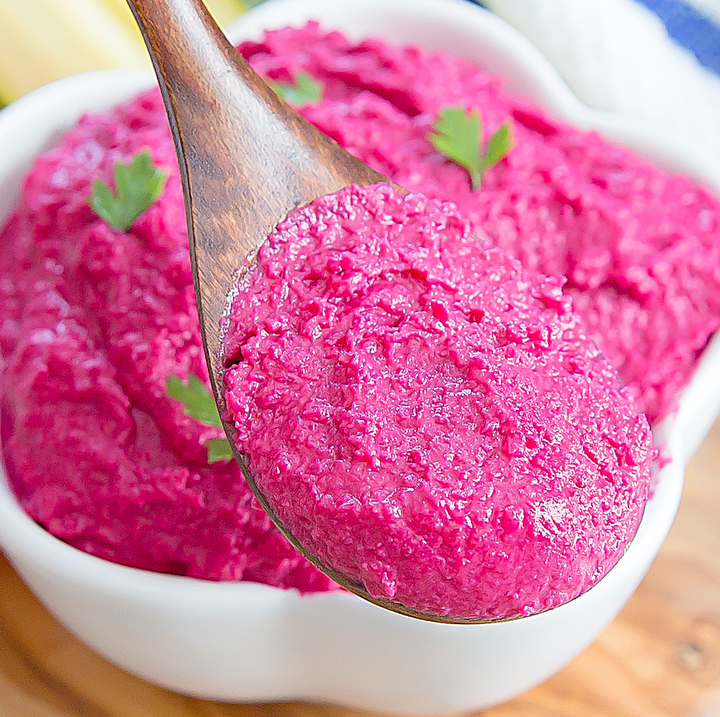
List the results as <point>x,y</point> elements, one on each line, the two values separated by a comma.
<point>425,416</point>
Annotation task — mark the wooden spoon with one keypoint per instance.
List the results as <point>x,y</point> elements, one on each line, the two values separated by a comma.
<point>246,160</point>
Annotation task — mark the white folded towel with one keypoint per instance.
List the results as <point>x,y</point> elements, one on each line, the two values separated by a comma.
<point>616,55</point>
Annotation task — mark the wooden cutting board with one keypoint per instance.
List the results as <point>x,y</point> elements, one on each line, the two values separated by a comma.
<point>660,658</point>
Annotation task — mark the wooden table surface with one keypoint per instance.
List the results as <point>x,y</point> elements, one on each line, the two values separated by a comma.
<point>660,658</point>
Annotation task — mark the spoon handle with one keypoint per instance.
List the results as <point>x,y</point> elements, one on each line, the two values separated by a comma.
<point>246,159</point>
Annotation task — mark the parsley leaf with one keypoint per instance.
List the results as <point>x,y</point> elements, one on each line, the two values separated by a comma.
<point>137,186</point>
<point>303,91</point>
<point>219,450</point>
<point>197,400</point>
<point>497,147</point>
<point>200,404</point>
<point>457,136</point>
<point>458,133</point>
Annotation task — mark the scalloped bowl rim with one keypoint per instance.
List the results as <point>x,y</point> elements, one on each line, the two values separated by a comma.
<point>43,560</point>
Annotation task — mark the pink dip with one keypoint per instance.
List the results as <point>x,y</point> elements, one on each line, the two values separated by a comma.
<point>93,320</point>
<point>640,248</point>
<point>426,417</point>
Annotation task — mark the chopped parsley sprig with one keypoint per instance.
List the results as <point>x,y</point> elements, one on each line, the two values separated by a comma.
<point>137,186</point>
<point>457,133</point>
<point>304,90</point>
<point>199,403</point>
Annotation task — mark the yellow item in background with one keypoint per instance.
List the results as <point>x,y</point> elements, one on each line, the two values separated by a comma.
<point>43,40</point>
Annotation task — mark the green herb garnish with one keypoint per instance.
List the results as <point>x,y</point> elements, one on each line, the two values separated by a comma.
<point>219,450</point>
<point>458,135</point>
<point>199,403</point>
<point>137,186</point>
<point>303,91</point>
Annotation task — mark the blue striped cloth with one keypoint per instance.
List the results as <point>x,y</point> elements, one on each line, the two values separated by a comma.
<point>690,27</point>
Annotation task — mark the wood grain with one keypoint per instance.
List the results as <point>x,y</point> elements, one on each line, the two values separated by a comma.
<point>660,658</point>
<point>246,158</point>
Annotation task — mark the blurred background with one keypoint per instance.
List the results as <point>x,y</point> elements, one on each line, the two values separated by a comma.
<point>43,40</point>
<point>655,60</point>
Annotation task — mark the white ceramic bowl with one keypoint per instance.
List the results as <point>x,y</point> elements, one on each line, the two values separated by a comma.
<point>250,642</point>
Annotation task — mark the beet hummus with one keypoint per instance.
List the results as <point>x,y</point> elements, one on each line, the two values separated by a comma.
<point>426,417</point>
<point>640,248</point>
<point>95,320</point>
